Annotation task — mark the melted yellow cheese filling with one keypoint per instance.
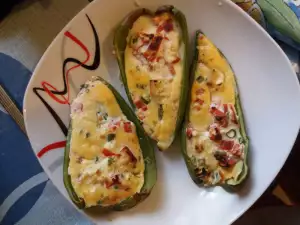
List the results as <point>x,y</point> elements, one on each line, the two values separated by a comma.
<point>156,78</point>
<point>106,164</point>
<point>214,89</point>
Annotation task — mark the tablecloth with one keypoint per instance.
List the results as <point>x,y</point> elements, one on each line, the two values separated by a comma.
<point>27,196</point>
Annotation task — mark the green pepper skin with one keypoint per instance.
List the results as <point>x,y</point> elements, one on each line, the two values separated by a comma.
<point>147,149</point>
<point>120,46</point>
<point>230,185</point>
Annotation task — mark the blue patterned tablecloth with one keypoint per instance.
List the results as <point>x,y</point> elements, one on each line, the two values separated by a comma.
<point>27,196</point>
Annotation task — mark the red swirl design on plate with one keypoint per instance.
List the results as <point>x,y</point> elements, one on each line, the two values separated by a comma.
<point>45,84</point>
<point>53,92</point>
<point>60,144</point>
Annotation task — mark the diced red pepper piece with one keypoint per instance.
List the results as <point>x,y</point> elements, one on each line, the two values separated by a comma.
<point>127,127</point>
<point>108,153</point>
<point>226,145</point>
<point>189,133</point>
<point>130,154</point>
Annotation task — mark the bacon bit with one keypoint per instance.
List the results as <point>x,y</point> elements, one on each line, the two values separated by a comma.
<point>233,119</point>
<point>108,153</point>
<point>155,43</point>
<point>171,69</point>
<point>214,134</point>
<point>133,159</point>
<point>226,145</point>
<point>139,103</point>
<point>200,91</point>
<point>166,26</point>
<point>232,161</point>
<point>166,38</point>
<point>225,108</point>
<point>236,150</point>
<point>220,117</point>
<point>224,160</point>
<point>176,60</point>
<point>98,172</point>
<point>150,56</point>
<point>200,101</point>
<point>216,112</point>
<point>145,108</point>
<point>114,181</point>
<point>127,127</point>
<point>160,28</point>
<point>102,136</point>
<point>189,133</point>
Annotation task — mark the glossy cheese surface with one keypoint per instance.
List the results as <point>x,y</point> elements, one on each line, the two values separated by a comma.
<point>214,142</point>
<point>154,59</point>
<point>106,164</point>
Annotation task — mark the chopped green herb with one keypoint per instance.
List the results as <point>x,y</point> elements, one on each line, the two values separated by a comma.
<point>231,133</point>
<point>87,134</point>
<point>134,40</point>
<point>141,86</point>
<point>241,140</point>
<point>111,137</point>
<point>96,159</point>
<point>200,79</point>
<point>105,116</point>
<point>99,202</point>
<point>110,161</point>
<point>146,101</point>
<point>84,86</point>
<point>116,187</point>
<point>160,112</point>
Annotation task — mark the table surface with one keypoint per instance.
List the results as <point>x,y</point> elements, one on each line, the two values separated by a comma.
<point>24,36</point>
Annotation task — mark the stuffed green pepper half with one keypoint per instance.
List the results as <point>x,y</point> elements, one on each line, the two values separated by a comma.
<point>214,141</point>
<point>109,160</point>
<point>151,50</point>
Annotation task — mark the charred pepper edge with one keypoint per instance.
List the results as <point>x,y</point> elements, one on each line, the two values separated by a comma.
<point>230,186</point>
<point>150,173</point>
<point>120,44</point>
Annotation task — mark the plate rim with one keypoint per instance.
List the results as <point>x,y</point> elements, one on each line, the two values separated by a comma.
<point>86,9</point>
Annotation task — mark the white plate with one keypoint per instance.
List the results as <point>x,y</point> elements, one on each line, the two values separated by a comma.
<point>269,93</point>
